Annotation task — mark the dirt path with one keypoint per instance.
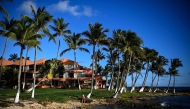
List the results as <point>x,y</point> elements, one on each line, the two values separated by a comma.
<point>73,104</point>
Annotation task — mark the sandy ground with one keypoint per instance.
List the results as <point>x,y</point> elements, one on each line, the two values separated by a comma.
<point>74,104</point>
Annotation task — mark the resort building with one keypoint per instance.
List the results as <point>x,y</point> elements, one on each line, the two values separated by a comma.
<point>68,79</point>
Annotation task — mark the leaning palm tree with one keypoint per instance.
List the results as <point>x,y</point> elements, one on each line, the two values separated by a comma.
<point>161,72</point>
<point>94,36</point>
<point>157,67</point>
<point>24,34</point>
<point>6,26</point>
<point>60,29</point>
<point>175,63</point>
<point>150,55</point>
<point>74,42</point>
<point>131,46</point>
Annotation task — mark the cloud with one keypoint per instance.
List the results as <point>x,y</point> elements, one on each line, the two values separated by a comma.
<point>76,10</point>
<point>25,7</point>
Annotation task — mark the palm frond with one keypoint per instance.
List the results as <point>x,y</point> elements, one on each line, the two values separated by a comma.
<point>64,51</point>
<point>4,11</point>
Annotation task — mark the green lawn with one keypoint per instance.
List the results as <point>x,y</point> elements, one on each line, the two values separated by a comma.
<point>56,95</point>
<point>63,95</point>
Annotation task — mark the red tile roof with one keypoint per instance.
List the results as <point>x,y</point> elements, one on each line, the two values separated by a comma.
<point>6,62</point>
<point>41,61</point>
<point>28,62</point>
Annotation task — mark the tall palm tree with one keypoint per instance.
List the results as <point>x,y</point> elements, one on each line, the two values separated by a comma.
<point>175,63</point>
<point>30,45</point>
<point>99,56</point>
<point>60,29</point>
<point>40,19</point>
<point>24,34</point>
<point>139,66</point>
<point>94,37</point>
<point>112,58</point>
<point>75,42</point>
<point>150,55</point>
<point>6,26</point>
<point>2,9</point>
<point>131,46</point>
<point>118,37</point>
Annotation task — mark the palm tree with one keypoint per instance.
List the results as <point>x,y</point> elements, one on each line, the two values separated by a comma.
<point>139,66</point>
<point>2,9</point>
<point>99,56</point>
<point>30,45</point>
<point>175,63</point>
<point>6,26</point>
<point>60,29</point>
<point>112,58</point>
<point>161,72</point>
<point>118,37</point>
<point>106,71</point>
<point>13,57</point>
<point>150,55</point>
<point>157,67</point>
<point>94,37</point>
<point>50,68</point>
<point>24,34</point>
<point>136,67</point>
<point>40,19</point>
<point>75,42</point>
<point>131,46</point>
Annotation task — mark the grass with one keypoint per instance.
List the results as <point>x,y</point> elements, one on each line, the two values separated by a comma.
<point>56,95</point>
<point>63,95</point>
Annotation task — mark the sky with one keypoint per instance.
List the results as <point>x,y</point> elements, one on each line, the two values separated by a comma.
<point>163,25</point>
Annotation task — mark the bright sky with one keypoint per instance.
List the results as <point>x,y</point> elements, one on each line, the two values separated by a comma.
<point>162,24</point>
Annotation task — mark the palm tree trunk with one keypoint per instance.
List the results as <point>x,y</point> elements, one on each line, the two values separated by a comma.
<point>58,47</point>
<point>133,88</point>
<point>88,96</point>
<point>25,68</point>
<point>34,82</point>
<point>3,57</point>
<point>153,78</point>
<point>133,85</point>
<point>112,67</point>
<point>118,72</point>
<point>169,84</point>
<point>146,75</point>
<point>76,68</point>
<point>157,84</point>
<point>112,77</point>
<point>129,65</point>
<point>174,84</point>
<point>95,70</point>
<point>30,89</point>
<point>19,74</point>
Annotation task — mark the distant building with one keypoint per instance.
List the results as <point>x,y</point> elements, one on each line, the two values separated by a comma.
<point>69,77</point>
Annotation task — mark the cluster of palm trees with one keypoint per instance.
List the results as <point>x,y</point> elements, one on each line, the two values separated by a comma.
<point>125,53</point>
